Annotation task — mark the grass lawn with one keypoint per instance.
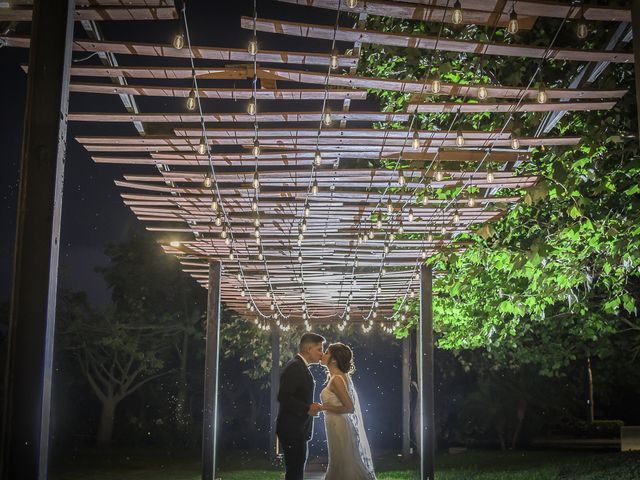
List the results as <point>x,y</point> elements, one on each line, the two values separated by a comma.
<point>478,465</point>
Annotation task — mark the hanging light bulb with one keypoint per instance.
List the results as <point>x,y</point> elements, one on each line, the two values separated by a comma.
<point>490,176</point>
<point>218,220</point>
<point>191,100</point>
<point>423,254</point>
<point>401,180</point>
<point>254,204</point>
<point>303,226</point>
<point>314,188</point>
<point>386,248</point>
<point>430,238</point>
<point>513,26</point>
<point>459,138</point>
<point>542,96</point>
<point>252,106</point>
<point>223,233</point>
<point>436,85</point>
<point>425,200</point>
<point>443,230</point>
<point>438,174</point>
<point>178,40</point>
<point>202,146</point>
<point>252,47</point>
<point>256,222</point>
<point>400,228</point>
<point>415,142</point>
<point>257,233</point>
<point>334,60</point>
<point>379,221</point>
<point>260,256</point>
<point>389,207</point>
<point>231,256</point>
<point>371,234</point>
<point>410,217</point>
<point>256,148</point>
<point>456,217</point>
<point>352,3</point>
<point>471,201</point>
<point>307,210</point>
<point>317,159</point>
<point>456,14</point>
<point>326,118</point>
<point>214,205</point>
<point>482,92</point>
<point>256,180</point>
<point>300,258</point>
<point>207,180</point>
<point>582,30</point>
<point>515,142</point>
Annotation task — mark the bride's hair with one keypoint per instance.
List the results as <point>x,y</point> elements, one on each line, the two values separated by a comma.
<point>343,355</point>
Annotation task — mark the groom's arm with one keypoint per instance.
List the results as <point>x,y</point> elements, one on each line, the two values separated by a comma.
<point>289,381</point>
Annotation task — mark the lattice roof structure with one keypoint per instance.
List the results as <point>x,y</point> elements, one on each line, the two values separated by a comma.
<point>316,219</point>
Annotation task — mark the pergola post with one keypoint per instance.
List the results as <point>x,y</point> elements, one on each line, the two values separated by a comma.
<point>210,410</point>
<point>427,444</point>
<point>635,24</point>
<point>27,406</point>
<point>275,383</point>
<point>406,396</point>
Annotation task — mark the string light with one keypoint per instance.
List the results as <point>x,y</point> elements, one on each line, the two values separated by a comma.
<point>582,30</point>
<point>415,142</point>
<point>436,85</point>
<point>256,181</point>
<point>459,139</point>
<point>252,106</point>
<point>515,142</point>
<point>410,216</point>
<point>218,220</point>
<point>207,180</point>
<point>389,207</point>
<point>314,188</point>
<point>178,40</point>
<point>456,217</point>
<point>352,3</point>
<point>191,100</point>
<point>542,96</point>
<point>317,159</point>
<point>252,47</point>
<point>429,237</point>
<point>334,60</point>
<point>307,210</point>
<point>482,92</point>
<point>174,243</point>
<point>456,14</point>
<point>471,201</point>
<point>256,147</point>
<point>254,204</point>
<point>438,174</point>
<point>490,176</point>
<point>401,179</point>
<point>513,26</point>
<point>214,205</point>
<point>326,118</point>
<point>202,146</point>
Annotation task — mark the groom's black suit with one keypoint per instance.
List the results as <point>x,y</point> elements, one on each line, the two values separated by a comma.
<point>294,425</point>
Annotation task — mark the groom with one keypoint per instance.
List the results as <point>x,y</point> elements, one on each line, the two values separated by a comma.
<point>294,426</point>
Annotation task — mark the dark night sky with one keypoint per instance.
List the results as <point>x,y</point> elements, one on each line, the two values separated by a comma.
<point>93,213</point>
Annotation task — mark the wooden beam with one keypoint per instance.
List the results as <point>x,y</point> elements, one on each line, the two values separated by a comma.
<point>128,13</point>
<point>403,40</point>
<point>211,373</point>
<point>32,318</point>
<point>427,403</point>
<point>199,52</point>
<point>454,107</point>
<point>425,13</point>
<point>220,93</point>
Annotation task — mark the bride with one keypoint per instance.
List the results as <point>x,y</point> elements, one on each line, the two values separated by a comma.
<point>349,453</point>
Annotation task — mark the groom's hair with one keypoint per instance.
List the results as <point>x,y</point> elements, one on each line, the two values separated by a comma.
<point>309,339</point>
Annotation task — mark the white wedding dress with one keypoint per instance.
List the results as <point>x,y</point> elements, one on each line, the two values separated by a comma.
<point>349,452</point>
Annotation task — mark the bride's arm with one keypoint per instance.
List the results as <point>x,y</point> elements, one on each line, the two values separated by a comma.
<point>339,387</point>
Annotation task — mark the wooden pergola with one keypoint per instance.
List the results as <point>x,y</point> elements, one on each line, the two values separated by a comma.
<point>302,208</point>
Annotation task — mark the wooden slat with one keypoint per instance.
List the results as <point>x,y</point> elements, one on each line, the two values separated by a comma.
<point>425,13</point>
<point>452,107</point>
<point>201,52</point>
<point>424,87</point>
<point>98,14</point>
<point>543,8</point>
<point>272,117</point>
<point>306,30</point>
<point>219,93</point>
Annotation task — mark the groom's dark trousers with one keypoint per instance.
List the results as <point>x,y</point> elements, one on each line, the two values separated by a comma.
<point>294,425</point>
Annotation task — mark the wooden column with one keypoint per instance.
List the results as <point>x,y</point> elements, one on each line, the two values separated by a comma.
<point>275,384</point>
<point>210,411</point>
<point>427,444</point>
<point>406,396</point>
<point>27,406</point>
<point>635,24</point>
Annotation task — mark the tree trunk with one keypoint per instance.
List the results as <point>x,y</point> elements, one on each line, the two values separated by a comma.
<point>522,410</point>
<point>105,429</point>
<point>590,387</point>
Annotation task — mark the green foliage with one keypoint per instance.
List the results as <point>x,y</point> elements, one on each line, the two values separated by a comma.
<point>557,273</point>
